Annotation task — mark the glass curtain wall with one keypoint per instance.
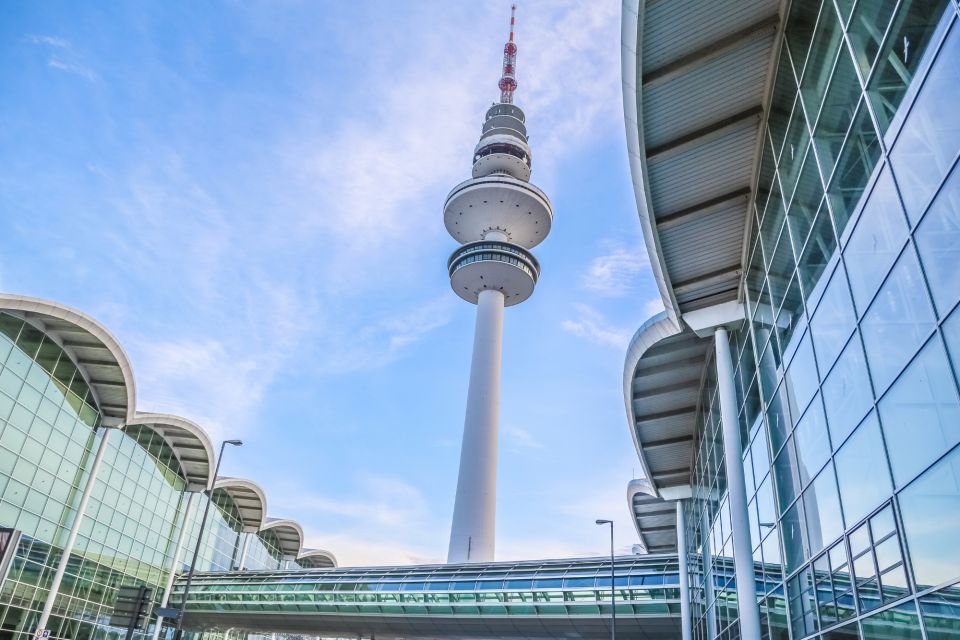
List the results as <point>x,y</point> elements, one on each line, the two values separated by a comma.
<point>264,552</point>
<point>846,371</point>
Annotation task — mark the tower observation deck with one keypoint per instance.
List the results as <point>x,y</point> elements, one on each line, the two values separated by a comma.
<point>497,216</point>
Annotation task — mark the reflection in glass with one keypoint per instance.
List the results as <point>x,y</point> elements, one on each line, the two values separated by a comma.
<point>822,508</point>
<point>876,240</point>
<point>938,242</point>
<point>846,392</point>
<point>866,29</point>
<point>912,29</point>
<point>839,106</point>
<point>810,439</point>
<point>833,321</point>
<point>899,622</point>
<point>898,322</point>
<point>941,614</point>
<point>930,138</point>
<point>862,471</point>
<point>930,509</point>
<point>856,163</point>
<point>920,414</point>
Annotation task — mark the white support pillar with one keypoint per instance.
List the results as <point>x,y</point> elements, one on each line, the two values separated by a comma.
<point>177,554</point>
<point>685,618</point>
<point>708,591</point>
<point>737,491</point>
<point>474,512</point>
<point>243,550</point>
<point>74,530</point>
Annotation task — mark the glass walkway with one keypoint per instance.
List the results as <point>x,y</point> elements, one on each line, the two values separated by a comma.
<point>533,599</point>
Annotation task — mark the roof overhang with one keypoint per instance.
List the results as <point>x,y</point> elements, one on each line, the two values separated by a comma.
<point>289,533</point>
<point>189,442</point>
<point>317,559</point>
<point>249,499</point>
<point>654,518</point>
<point>694,108</point>
<point>99,357</point>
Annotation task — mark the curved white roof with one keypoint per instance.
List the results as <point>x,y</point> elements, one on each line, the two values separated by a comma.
<point>317,559</point>
<point>249,499</point>
<point>654,518</point>
<point>696,82</point>
<point>100,358</point>
<point>288,532</point>
<point>189,442</point>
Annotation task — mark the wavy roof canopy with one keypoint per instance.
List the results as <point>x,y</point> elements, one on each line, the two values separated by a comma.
<point>654,517</point>
<point>696,76</point>
<point>101,360</point>
<point>190,444</point>
<point>317,559</point>
<point>249,500</point>
<point>289,534</point>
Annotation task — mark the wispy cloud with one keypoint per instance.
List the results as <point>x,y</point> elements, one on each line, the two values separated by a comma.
<point>615,273</point>
<point>63,56</point>
<point>518,439</point>
<point>592,325</point>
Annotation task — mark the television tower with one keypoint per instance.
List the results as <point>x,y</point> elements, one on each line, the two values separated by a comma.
<point>497,216</point>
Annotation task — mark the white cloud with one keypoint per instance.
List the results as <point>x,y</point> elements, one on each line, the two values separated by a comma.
<point>616,272</point>
<point>63,57</point>
<point>590,324</point>
<point>652,307</point>
<point>518,438</point>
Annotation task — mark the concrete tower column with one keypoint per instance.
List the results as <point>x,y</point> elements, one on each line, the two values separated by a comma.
<point>737,491</point>
<point>74,530</point>
<point>474,513</point>
<point>685,618</point>
<point>177,553</point>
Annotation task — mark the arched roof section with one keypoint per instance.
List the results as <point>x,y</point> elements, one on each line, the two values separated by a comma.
<point>249,499</point>
<point>97,353</point>
<point>289,533</point>
<point>189,442</point>
<point>662,375</point>
<point>316,559</point>
<point>654,518</point>
<point>694,110</point>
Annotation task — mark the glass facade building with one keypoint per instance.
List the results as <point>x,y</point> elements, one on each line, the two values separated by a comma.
<point>842,329</point>
<point>147,474</point>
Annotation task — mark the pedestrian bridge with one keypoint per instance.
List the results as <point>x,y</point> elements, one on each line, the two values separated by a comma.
<point>531,599</point>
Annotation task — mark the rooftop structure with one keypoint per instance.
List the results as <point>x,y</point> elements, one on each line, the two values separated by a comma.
<point>497,216</point>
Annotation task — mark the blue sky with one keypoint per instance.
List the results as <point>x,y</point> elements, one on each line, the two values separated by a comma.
<point>249,195</point>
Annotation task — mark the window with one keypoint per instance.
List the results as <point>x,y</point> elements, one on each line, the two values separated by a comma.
<point>862,471</point>
<point>938,242</point>
<point>846,392</point>
<point>930,508</point>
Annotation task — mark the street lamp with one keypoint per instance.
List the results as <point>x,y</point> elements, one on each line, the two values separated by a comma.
<point>203,524</point>
<point>613,590</point>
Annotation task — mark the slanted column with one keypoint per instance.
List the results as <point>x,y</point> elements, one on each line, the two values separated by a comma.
<point>685,619</point>
<point>178,552</point>
<point>737,491</point>
<point>243,550</point>
<point>74,530</point>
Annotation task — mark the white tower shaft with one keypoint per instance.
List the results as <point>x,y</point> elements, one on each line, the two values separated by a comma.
<point>474,513</point>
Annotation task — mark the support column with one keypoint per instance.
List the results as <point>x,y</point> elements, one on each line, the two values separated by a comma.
<point>474,512</point>
<point>177,553</point>
<point>74,530</point>
<point>243,550</point>
<point>708,592</point>
<point>737,491</point>
<point>685,618</point>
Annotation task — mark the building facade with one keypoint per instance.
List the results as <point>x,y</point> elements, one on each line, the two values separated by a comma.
<point>124,491</point>
<point>797,402</point>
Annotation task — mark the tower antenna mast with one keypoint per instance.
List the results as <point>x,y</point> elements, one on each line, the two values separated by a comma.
<point>508,80</point>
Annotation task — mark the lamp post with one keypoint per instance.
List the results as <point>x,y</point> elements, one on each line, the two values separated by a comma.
<point>203,524</point>
<point>613,589</point>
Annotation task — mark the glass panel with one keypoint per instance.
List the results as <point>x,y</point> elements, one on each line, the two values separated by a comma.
<point>800,25</point>
<point>930,138</point>
<point>941,614</point>
<point>862,471</point>
<point>920,415</point>
<point>822,507</point>
<point>856,163</point>
<point>838,108</point>
<point>930,509</point>
<point>897,623</point>
<point>816,254</point>
<point>816,74</point>
<point>801,378</point>
<point>846,632</point>
<point>938,242</point>
<point>833,320</point>
<point>846,392</point>
<point>898,322</point>
<point>915,23</point>
<point>811,441</point>
<point>866,29</point>
<point>876,241</point>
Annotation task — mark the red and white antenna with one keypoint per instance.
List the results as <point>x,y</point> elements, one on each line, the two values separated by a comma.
<point>508,81</point>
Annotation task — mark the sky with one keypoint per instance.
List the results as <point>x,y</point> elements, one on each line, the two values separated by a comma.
<point>249,196</point>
